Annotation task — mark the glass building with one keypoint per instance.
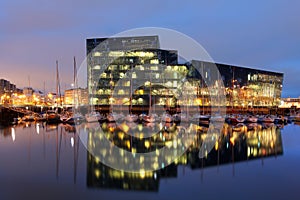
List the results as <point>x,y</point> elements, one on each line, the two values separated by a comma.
<point>135,72</point>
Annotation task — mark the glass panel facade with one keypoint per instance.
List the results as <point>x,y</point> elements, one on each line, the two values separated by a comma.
<point>113,65</point>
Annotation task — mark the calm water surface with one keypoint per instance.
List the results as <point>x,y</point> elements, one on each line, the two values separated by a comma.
<point>40,161</point>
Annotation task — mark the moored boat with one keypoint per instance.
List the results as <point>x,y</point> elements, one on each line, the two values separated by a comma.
<point>251,119</point>
<point>266,119</point>
<point>297,118</point>
<point>235,119</point>
<point>131,118</point>
<point>166,118</point>
<point>92,117</point>
<point>52,117</point>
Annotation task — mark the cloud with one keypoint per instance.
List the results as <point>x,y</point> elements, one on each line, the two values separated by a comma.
<point>259,34</point>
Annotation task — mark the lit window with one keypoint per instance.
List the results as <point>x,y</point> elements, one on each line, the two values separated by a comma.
<point>121,92</point>
<point>116,53</point>
<point>96,67</point>
<point>133,75</point>
<point>97,54</point>
<point>154,61</point>
<point>103,75</point>
<point>140,101</point>
<point>147,83</point>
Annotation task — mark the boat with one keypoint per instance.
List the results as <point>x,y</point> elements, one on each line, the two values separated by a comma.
<point>28,118</point>
<point>201,118</point>
<point>266,119</point>
<point>217,118</point>
<point>251,119</point>
<point>92,117</point>
<point>149,118</point>
<point>167,118</point>
<point>112,117</point>
<point>296,118</point>
<point>40,117</point>
<point>131,118</point>
<point>176,118</point>
<point>235,119</point>
<point>280,119</point>
<point>52,117</point>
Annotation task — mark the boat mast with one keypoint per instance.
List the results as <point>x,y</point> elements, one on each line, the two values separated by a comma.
<point>57,85</point>
<point>130,111</point>
<point>75,83</point>
<point>150,97</point>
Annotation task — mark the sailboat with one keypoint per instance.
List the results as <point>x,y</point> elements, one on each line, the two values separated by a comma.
<point>150,118</point>
<point>75,117</point>
<point>112,116</point>
<point>201,118</point>
<point>131,117</point>
<point>166,117</point>
<point>51,115</point>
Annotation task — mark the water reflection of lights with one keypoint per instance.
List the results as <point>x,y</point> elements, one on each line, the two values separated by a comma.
<point>13,134</point>
<point>242,145</point>
<point>72,141</point>
<point>38,128</point>
<point>256,141</point>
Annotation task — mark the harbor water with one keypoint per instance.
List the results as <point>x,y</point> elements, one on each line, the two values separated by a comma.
<point>256,161</point>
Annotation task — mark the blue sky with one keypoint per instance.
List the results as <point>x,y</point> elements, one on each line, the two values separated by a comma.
<point>35,33</point>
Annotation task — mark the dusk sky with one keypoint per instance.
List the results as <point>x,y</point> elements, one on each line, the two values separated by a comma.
<point>36,33</point>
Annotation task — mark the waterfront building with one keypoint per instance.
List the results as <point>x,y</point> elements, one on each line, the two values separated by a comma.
<point>290,103</point>
<point>77,96</point>
<point>116,65</point>
<point>7,87</point>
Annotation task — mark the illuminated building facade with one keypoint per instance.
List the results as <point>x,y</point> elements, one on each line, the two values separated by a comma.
<point>290,103</point>
<point>116,64</point>
<point>76,96</point>
<point>7,87</point>
<point>245,87</point>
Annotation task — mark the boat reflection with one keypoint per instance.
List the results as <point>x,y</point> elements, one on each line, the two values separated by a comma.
<point>236,144</point>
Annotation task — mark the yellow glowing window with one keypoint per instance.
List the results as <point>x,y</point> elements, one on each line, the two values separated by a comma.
<point>140,100</point>
<point>127,83</point>
<point>140,67</point>
<point>103,75</point>
<point>141,92</point>
<point>133,75</point>
<point>96,67</point>
<point>100,91</point>
<point>107,91</point>
<point>116,53</point>
<point>147,83</point>
<point>154,61</point>
<point>97,54</point>
<point>121,92</point>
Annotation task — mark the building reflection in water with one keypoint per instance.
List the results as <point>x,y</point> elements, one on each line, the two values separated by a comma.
<point>236,144</point>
